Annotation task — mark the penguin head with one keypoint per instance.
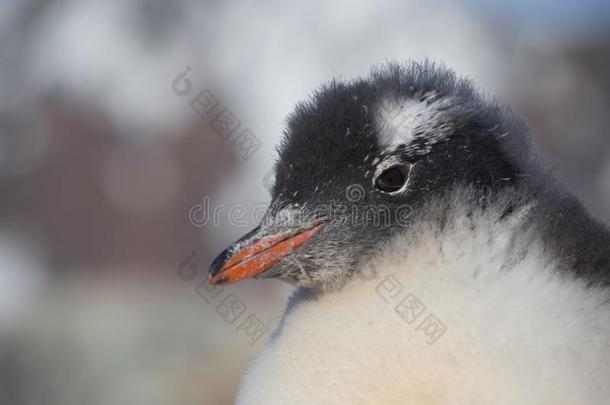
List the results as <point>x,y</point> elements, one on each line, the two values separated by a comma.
<point>358,162</point>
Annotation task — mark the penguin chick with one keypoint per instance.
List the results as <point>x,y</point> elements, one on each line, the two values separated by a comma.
<point>436,260</point>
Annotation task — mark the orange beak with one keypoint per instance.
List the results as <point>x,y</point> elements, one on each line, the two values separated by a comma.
<point>242,262</point>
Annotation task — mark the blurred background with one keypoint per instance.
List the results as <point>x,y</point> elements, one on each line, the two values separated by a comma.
<point>125,125</point>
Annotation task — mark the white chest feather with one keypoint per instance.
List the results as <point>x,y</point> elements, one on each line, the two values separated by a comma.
<point>475,314</point>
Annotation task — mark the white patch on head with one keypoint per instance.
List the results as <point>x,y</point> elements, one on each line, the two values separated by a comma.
<point>403,121</point>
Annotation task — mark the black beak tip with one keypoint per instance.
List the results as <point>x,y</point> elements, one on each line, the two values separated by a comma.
<point>226,254</point>
<point>218,262</point>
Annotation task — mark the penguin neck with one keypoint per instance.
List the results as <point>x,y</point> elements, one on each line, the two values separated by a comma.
<point>434,310</point>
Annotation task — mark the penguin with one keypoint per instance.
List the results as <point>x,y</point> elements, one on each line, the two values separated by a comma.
<point>435,257</point>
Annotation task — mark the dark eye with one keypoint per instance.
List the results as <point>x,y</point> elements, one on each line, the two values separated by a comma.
<point>392,179</point>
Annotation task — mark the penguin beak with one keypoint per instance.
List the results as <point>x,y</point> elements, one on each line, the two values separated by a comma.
<point>257,252</point>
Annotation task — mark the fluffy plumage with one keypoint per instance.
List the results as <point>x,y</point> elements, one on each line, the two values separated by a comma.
<point>511,264</point>
<point>519,329</point>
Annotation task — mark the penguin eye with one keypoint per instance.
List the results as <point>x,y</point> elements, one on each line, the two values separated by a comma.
<point>392,179</point>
